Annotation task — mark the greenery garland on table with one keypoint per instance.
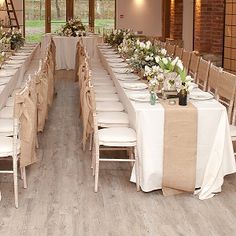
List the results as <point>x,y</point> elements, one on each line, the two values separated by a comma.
<point>150,60</point>
<point>72,28</point>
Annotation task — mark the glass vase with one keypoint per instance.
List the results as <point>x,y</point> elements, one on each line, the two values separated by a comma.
<point>153,98</point>
<point>183,97</point>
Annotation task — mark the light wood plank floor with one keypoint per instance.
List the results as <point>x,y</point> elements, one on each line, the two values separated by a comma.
<point>60,198</point>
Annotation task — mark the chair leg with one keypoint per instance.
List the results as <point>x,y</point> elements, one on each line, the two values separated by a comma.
<point>137,169</point>
<point>91,142</point>
<point>96,173</point>
<point>93,159</point>
<point>36,142</point>
<point>23,172</point>
<point>15,181</point>
<point>130,153</point>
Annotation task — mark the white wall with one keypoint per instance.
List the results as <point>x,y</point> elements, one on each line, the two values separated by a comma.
<point>188,24</point>
<point>140,15</point>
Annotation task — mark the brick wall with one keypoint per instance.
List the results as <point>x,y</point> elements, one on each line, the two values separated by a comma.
<point>176,19</point>
<point>209,26</point>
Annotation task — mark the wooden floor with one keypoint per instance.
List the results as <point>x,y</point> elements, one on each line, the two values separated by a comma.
<point>60,198</point>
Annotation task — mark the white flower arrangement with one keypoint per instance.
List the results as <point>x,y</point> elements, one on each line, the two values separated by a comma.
<point>72,28</point>
<point>183,81</point>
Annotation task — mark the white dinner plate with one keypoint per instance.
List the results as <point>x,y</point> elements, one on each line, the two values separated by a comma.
<point>27,47</point>
<point>194,85</point>
<point>1,87</point>
<point>130,77</point>
<point>112,56</point>
<point>108,50</point>
<point>25,51</point>
<point>4,80</point>
<point>5,73</point>
<point>140,97</point>
<point>117,60</point>
<point>122,70</point>
<point>15,62</point>
<point>11,67</point>
<point>22,53</point>
<point>118,65</point>
<point>18,57</point>
<point>110,53</point>
<point>105,46</point>
<point>201,96</point>
<point>134,86</point>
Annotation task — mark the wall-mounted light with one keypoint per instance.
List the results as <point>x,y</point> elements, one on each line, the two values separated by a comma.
<point>139,3</point>
<point>2,3</point>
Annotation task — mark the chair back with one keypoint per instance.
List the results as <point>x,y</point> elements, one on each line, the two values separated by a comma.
<point>202,74</point>
<point>233,121</point>
<point>193,65</point>
<point>25,110</point>
<point>170,49</point>
<point>178,52</point>
<point>186,56</point>
<point>213,77</point>
<point>226,91</point>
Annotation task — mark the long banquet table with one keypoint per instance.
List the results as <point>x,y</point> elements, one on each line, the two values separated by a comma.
<point>66,49</point>
<point>29,65</point>
<point>215,157</point>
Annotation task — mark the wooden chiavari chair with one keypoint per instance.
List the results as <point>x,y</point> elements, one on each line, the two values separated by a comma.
<point>193,65</point>
<point>114,138</point>
<point>202,74</point>
<point>178,52</point>
<point>213,77</point>
<point>226,91</point>
<point>186,56</point>
<point>170,49</point>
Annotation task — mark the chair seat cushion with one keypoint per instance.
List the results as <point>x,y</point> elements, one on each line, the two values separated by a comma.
<point>109,106</point>
<point>105,89</point>
<point>111,119</point>
<point>6,127</point>
<point>10,102</point>
<point>106,97</point>
<point>6,146</point>
<point>117,136</point>
<point>233,131</point>
<point>6,113</point>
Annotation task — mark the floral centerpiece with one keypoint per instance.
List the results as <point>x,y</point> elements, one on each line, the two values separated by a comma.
<point>13,37</point>
<point>2,57</point>
<point>72,28</point>
<point>116,37</point>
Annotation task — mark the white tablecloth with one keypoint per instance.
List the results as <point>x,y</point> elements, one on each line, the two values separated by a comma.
<point>215,157</point>
<point>16,79</point>
<point>66,49</point>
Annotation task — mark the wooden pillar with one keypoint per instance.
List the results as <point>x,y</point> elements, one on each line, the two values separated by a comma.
<point>165,19</point>
<point>91,13</point>
<point>47,16</point>
<point>69,9</point>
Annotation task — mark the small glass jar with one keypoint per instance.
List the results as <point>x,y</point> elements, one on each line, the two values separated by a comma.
<point>183,97</point>
<point>153,98</point>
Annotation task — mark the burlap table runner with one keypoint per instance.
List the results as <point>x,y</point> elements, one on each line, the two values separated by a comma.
<point>180,149</point>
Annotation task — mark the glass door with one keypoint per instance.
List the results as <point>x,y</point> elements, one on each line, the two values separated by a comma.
<point>81,10</point>
<point>58,14</point>
<point>104,15</point>
<point>34,20</point>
